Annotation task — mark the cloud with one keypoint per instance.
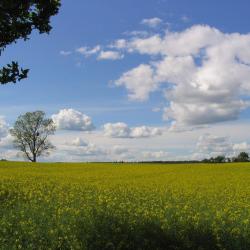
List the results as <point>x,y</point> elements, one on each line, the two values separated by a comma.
<point>152,22</point>
<point>209,145</point>
<point>202,84</point>
<point>4,128</point>
<point>12,154</point>
<point>144,131</point>
<point>70,119</point>
<point>78,142</point>
<point>77,150</point>
<point>119,130</point>
<point>122,130</point>
<point>203,73</point>
<point>137,33</point>
<point>86,149</point>
<point>6,142</point>
<point>120,153</point>
<point>118,150</point>
<point>65,53</point>
<point>119,44</point>
<point>160,155</point>
<point>7,150</point>
<point>155,155</point>
<point>156,109</point>
<point>103,55</point>
<point>139,82</point>
<point>73,151</point>
<point>241,147</point>
<point>110,55</point>
<point>86,51</point>
<point>146,45</point>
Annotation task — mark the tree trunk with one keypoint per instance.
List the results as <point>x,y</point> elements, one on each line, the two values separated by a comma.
<point>34,158</point>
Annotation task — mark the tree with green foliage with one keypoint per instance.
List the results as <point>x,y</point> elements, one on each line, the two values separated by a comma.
<point>220,159</point>
<point>217,159</point>
<point>242,157</point>
<point>31,132</point>
<point>17,20</point>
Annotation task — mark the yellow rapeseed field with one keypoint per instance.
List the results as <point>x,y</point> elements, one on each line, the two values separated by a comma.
<point>124,206</point>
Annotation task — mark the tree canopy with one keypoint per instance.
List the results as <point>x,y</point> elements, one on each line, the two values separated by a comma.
<point>17,20</point>
<point>242,157</point>
<point>31,132</point>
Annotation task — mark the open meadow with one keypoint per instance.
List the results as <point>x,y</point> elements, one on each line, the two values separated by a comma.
<point>124,206</point>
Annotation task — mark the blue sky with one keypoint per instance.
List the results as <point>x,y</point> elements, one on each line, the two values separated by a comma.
<point>87,84</point>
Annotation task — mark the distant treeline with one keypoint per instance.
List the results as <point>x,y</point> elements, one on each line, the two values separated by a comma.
<point>241,157</point>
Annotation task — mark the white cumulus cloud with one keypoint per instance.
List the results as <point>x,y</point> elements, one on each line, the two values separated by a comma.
<point>86,51</point>
<point>139,82</point>
<point>110,55</point>
<point>70,119</point>
<point>203,73</point>
<point>122,130</point>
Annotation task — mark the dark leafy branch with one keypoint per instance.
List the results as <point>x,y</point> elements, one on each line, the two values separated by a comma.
<point>17,20</point>
<point>12,73</point>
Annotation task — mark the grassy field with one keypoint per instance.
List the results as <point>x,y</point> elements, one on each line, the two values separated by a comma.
<point>124,206</point>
